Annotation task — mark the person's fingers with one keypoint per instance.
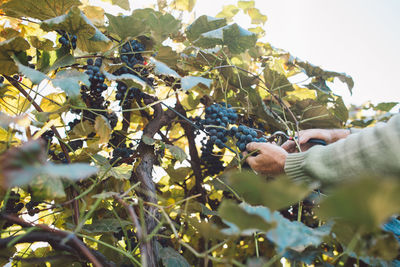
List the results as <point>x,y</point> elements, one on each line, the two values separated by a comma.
<point>289,146</point>
<point>303,137</point>
<point>254,146</point>
<point>252,161</point>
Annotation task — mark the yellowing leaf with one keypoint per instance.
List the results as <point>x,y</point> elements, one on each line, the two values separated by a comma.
<point>228,12</point>
<point>14,105</point>
<point>7,139</point>
<point>95,14</point>
<point>245,5</point>
<point>184,5</point>
<point>256,16</point>
<point>124,4</point>
<point>53,102</point>
<point>103,129</point>
<point>300,93</point>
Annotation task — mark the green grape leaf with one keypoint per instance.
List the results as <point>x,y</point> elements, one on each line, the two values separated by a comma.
<point>122,172</point>
<point>69,81</point>
<point>62,61</point>
<point>184,5</point>
<point>177,152</point>
<point>285,235</point>
<point>171,258</point>
<point>236,38</point>
<point>7,48</point>
<point>385,106</point>
<point>188,82</point>
<point>230,211</point>
<point>276,81</point>
<point>203,24</point>
<point>45,44</point>
<point>20,165</point>
<point>44,61</point>
<point>178,175</point>
<point>38,9</point>
<point>161,26</point>
<point>262,110</point>
<point>103,129</point>
<point>33,75</point>
<point>45,187</point>
<point>318,83</point>
<point>121,26</point>
<point>72,171</point>
<point>162,69</point>
<point>167,55</point>
<point>365,203</point>
<point>277,194</point>
<point>315,71</point>
<point>90,38</point>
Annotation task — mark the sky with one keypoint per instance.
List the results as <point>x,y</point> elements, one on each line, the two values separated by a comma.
<point>358,37</point>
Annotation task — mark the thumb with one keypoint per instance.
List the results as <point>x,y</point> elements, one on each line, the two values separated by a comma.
<point>303,137</point>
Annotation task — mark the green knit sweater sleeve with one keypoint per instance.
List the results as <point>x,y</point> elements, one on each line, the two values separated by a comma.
<point>373,150</point>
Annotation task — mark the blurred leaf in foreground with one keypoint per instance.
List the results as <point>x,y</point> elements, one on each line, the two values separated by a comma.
<point>366,203</point>
<point>277,194</point>
<point>286,235</point>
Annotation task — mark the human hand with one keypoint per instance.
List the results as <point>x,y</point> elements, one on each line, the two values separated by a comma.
<point>269,160</point>
<point>328,135</point>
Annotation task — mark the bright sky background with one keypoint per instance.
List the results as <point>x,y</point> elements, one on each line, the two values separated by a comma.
<point>358,37</point>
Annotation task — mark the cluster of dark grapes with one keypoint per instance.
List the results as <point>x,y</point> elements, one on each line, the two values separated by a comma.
<point>92,95</point>
<point>32,208</point>
<point>245,135</point>
<point>47,136</point>
<point>212,160</point>
<point>119,153</point>
<point>125,95</point>
<point>75,145</point>
<point>13,206</point>
<point>219,115</point>
<point>132,239</point>
<point>217,119</point>
<point>67,40</point>
<point>131,55</point>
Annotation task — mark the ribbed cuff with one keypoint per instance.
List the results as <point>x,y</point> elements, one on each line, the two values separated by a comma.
<point>293,167</point>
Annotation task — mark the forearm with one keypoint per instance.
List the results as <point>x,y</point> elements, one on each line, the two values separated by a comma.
<point>373,151</point>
